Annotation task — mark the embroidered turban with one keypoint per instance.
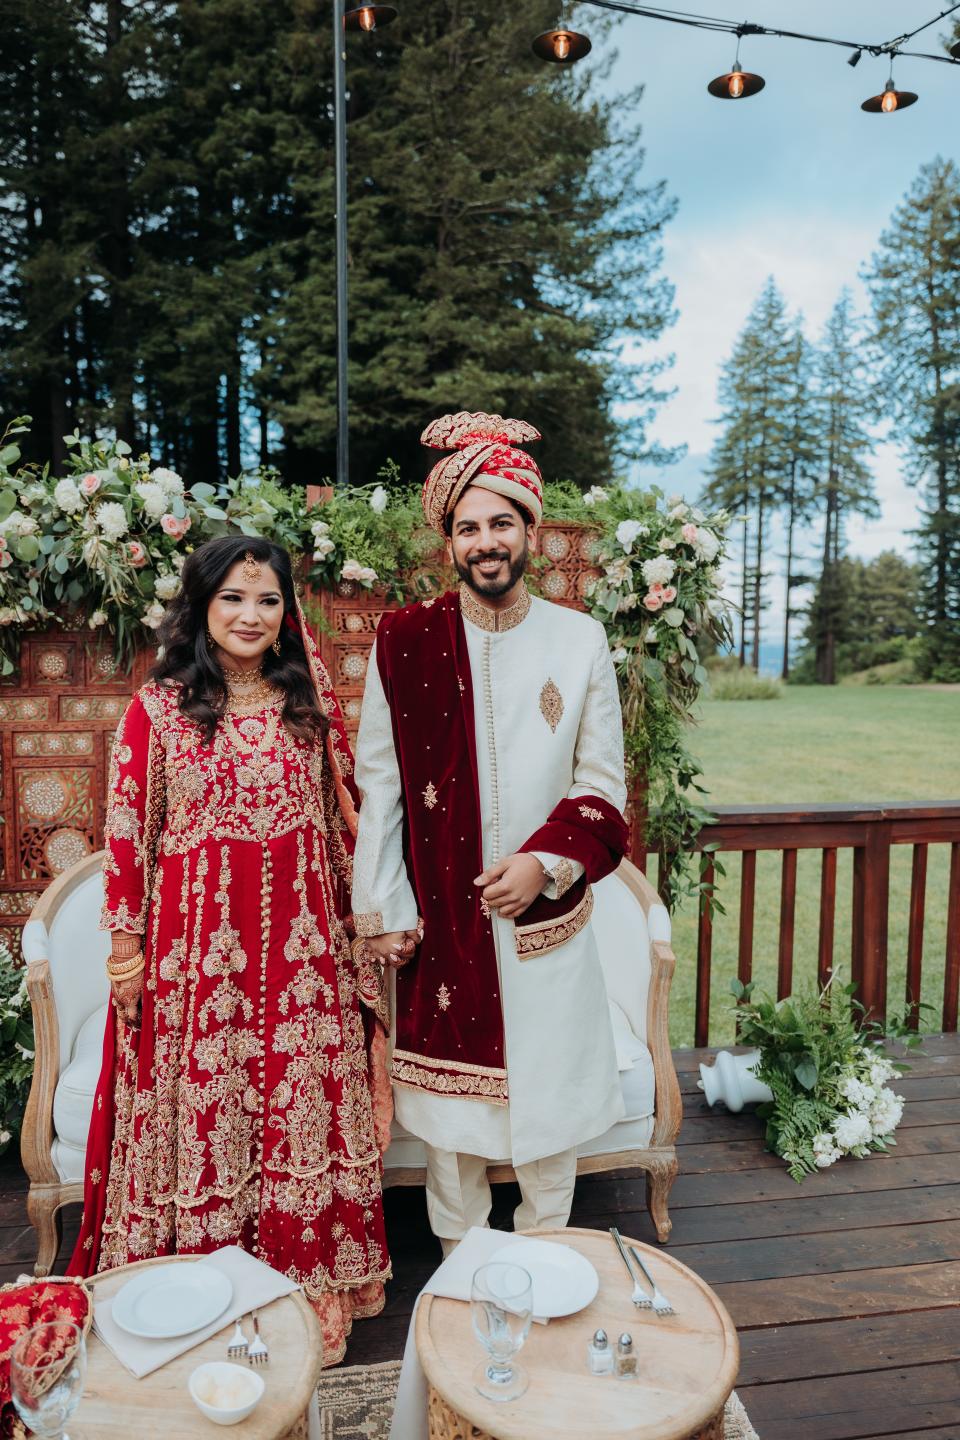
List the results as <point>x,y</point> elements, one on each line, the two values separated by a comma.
<point>484,453</point>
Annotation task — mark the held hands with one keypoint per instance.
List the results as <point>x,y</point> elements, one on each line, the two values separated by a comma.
<point>511,885</point>
<point>394,948</point>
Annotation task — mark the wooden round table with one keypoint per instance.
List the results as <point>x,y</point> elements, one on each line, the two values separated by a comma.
<point>115,1406</point>
<point>688,1361</point>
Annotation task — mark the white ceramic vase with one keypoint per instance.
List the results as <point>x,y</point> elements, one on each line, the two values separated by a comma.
<point>731,1079</point>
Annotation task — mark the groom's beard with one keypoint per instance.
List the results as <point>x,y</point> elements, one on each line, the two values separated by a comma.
<point>493,587</point>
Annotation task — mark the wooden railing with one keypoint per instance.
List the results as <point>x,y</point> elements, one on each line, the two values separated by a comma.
<point>870,831</point>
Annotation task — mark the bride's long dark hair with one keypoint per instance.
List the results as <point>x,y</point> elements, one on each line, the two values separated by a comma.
<point>188,662</point>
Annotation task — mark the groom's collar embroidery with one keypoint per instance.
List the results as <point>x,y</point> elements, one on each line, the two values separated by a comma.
<point>494,620</point>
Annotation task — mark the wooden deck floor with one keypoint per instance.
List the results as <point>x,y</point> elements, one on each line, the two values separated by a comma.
<point>845,1290</point>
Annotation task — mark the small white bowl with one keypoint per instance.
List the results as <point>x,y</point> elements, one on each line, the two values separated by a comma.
<point>222,1370</point>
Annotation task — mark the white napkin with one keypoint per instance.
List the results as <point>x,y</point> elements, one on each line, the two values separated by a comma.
<point>254,1284</point>
<point>455,1276</point>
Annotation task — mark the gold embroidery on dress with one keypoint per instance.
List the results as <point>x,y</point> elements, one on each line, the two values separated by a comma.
<point>551,705</point>
<point>443,998</point>
<point>589,813</point>
<point>368,924</point>
<point>449,1077</point>
<point>430,795</point>
<point>496,621</point>
<point>484,907</point>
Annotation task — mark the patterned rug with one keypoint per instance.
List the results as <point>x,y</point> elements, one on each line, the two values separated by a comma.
<point>356,1403</point>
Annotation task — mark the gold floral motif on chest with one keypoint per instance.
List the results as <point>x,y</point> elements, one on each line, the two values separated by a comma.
<point>551,705</point>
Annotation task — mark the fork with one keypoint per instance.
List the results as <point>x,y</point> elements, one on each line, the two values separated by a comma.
<point>257,1351</point>
<point>661,1305</point>
<point>639,1297</point>
<point>238,1342</point>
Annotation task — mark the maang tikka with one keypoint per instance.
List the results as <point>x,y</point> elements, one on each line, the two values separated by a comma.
<point>250,569</point>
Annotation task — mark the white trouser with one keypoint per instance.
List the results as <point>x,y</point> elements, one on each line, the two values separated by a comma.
<point>458,1193</point>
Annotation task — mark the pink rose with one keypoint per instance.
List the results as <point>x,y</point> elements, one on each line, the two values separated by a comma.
<point>5,559</point>
<point>3,543</point>
<point>90,484</point>
<point>138,555</point>
<point>667,594</point>
<point>174,527</point>
<point>652,601</point>
<point>689,533</point>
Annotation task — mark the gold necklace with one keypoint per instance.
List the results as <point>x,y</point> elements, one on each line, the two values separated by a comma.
<point>237,679</point>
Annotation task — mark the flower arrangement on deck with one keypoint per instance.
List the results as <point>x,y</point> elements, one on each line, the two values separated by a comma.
<point>829,1078</point>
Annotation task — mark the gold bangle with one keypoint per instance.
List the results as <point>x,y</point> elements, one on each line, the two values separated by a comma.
<point>127,969</point>
<point>123,979</point>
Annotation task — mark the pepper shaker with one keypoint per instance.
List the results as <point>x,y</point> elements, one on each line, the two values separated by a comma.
<point>625,1363</point>
<point>599,1355</point>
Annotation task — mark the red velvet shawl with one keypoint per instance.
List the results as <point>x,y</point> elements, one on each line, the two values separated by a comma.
<point>449,1009</point>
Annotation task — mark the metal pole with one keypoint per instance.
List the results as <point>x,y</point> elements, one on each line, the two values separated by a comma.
<point>340,153</point>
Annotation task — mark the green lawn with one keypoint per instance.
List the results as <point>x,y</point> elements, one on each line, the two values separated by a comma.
<point>817,744</point>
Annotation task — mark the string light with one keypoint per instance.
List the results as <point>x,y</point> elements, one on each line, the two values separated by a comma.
<point>369,17</point>
<point>737,84</point>
<point>892,99</point>
<point>563,46</point>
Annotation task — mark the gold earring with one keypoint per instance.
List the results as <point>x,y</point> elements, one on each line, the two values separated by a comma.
<point>276,646</point>
<point>210,641</point>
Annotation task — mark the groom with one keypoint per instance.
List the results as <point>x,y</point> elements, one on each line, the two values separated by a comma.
<point>490,760</point>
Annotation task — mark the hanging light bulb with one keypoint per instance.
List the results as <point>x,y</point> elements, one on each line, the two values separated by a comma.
<point>890,100</point>
<point>369,17</point>
<point>563,46</point>
<point>737,84</point>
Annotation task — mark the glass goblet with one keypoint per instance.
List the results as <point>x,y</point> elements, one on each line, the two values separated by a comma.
<point>48,1368</point>
<point>501,1307</point>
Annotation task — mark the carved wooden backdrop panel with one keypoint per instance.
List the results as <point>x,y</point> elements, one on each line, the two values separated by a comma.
<point>58,718</point>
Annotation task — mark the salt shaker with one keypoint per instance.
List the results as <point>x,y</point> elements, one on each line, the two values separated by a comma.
<point>599,1355</point>
<point>625,1362</point>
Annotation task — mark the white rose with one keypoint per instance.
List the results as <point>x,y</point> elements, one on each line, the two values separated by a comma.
<point>367,575</point>
<point>112,519</point>
<point>679,511</point>
<point>17,523</point>
<point>324,547</point>
<point>153,615</point>
<point>706,546</point>
<point>659,570</point>
<point>650,635</point>
<point>379,499</point>
<point>4,1137</point>
<point>98,618</point>
<point>177,560</point>
<point>319,528</point>
<point>595,494</point>
<point>167,586</point>
<point>619,655</point>
<point>628,531</point>
<point>154,498</point>
<point>665,543</point>
<point>168,480</point>
<point>67,497</point>
<point>8,616</point>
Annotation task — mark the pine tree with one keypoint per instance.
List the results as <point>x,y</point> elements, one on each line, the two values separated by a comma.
<point>914,282</point>
<point>802,444</point>
<point>877,614</point>
<point>750,469</point>
<point>846,486</point>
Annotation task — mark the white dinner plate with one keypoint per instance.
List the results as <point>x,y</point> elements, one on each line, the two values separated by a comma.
<point>169,1300</point>
<point>564,1281</point>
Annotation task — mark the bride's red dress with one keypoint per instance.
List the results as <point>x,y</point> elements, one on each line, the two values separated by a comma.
<point>240,1113</point>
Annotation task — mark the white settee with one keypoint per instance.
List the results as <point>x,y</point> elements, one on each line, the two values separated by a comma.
<point>65,954</point>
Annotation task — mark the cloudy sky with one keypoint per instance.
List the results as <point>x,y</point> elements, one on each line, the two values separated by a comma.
<point>796,182</point>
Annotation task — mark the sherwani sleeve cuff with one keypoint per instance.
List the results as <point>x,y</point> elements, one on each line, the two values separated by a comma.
<point>561,873</point>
